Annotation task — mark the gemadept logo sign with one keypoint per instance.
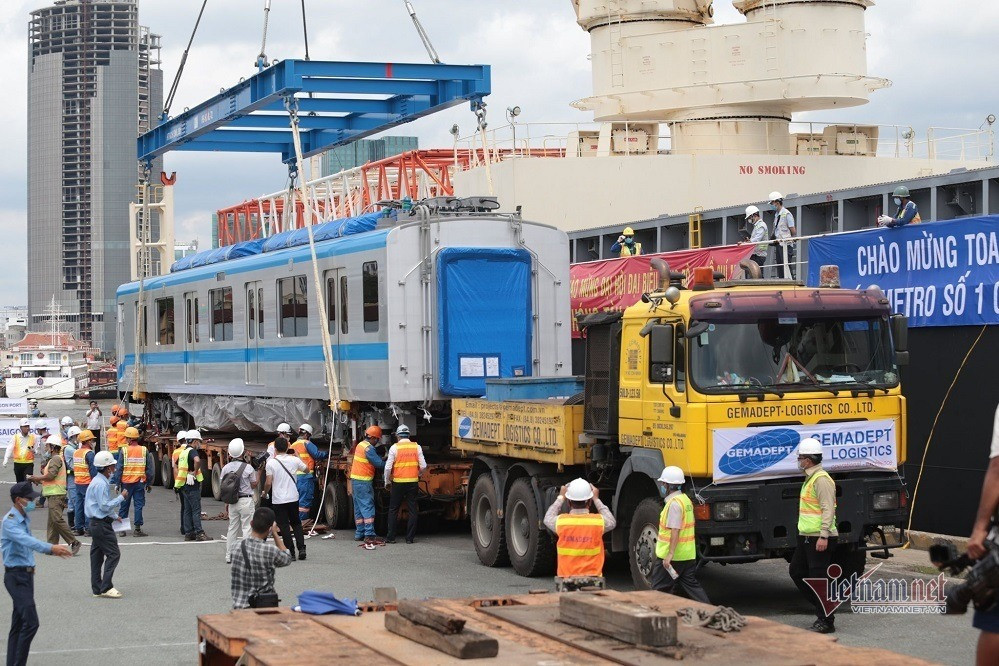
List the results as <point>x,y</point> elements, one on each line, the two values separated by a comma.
<point>465,427</point>
<point>759,452</point>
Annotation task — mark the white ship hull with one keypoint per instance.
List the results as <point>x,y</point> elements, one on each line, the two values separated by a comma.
<point>41,388</point>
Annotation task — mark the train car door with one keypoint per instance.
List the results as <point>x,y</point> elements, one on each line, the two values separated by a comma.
<point>254,330</point>
<point>336,316</point>
<point>190,337</point>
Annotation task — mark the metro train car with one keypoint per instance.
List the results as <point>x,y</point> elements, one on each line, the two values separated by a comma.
<point>421,307</point>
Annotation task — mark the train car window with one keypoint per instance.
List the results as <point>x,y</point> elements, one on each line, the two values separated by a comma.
<point>251,314</point>
<point>221,303</point>
<point>343,304</point>
<point>369,295</point>
<point>165,321</point>
<point>260,313</point>
<point>331,304</point>
<point>197,320</point>
<point>294,306</point>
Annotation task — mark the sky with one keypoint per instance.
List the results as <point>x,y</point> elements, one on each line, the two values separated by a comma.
<point>940,55</point>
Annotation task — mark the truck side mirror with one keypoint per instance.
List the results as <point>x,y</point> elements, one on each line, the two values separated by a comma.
<point>900,338</point>
<point>661,354</point>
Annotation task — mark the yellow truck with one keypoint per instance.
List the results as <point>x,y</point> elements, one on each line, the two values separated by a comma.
<point>723,379</point>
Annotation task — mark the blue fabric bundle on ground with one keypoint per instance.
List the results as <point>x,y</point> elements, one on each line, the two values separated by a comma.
<point>315,602</point>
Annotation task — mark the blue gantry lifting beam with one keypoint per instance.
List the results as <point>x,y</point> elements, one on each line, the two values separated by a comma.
<point>338,102</point>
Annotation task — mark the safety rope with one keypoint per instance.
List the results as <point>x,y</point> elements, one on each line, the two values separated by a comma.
<point>140,310</point>
<point>722,618</point>
<point>183,61</point>
<point>929,438</point>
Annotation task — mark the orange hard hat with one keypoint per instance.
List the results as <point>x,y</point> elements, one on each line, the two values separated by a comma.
<point>121,424</point>
<point>374,431</point>
<point>114,420</point>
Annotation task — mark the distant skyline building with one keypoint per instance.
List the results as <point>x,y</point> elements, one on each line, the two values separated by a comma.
<point>94,84</point>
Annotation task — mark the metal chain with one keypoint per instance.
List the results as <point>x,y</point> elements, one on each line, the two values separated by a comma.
<point>722,619</point>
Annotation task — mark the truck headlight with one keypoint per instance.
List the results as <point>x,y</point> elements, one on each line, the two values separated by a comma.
<point>727,511</point>
<point>886,501</point>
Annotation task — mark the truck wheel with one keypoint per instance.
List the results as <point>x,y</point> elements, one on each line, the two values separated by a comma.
<point>166,471</point>
<point>207,478</point>
<point>216,481</point>
<point>642,542</point>
<point>531,550</point>
<point>487,526</point>
<point>151,464</point>
<point>337,509</point>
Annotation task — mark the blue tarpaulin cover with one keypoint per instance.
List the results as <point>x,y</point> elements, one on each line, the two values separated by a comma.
<point>315,602</point>
<point>484,317</point>
<point>215,255</point>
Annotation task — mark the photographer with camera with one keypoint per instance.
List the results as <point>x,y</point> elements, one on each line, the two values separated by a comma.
<point>987,620</point>
<point>254,562</point>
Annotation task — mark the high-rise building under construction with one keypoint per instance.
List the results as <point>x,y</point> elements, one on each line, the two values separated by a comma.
<point>94,84</point>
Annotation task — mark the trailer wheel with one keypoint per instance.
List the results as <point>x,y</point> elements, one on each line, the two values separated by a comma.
<point>642,542</point>
<point>151,464</point>
<point>487,526</point>
<point>337,508</point>
<point>166,471</point>
<point>531,550</point>
<point>207,478</point>
<point>216,481</point>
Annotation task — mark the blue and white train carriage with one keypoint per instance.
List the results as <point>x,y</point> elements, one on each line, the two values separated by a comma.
<point>421,308</point>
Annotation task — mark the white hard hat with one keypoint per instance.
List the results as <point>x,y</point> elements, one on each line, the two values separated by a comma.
<point>579,490</point>
<point>25,422</point>
<point>73,432</point>
<point>41,425</point>
<point>182,435</point>
<point>66,421</point>
<point>672,475</point>
<point>306,427</point>
<point>53,440</point>
<point>402,431</point>
<point>236,448</point>
<point>751,211</point>
<point>284,427</point>
<point>194,434</point>
<point>104,459</point>
<point>774,196</point>
<point>809,447</point>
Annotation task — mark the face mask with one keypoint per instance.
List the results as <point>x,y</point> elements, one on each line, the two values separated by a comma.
<point>898,202</point>
<point>629,240</point>
<point>801,465</point>
<point>30,506</point>
<point>662,491</point>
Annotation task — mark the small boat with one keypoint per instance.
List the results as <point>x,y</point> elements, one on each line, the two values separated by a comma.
<point>102,382</point>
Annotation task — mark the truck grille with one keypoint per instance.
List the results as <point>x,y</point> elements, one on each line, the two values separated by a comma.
<point>603,354</point>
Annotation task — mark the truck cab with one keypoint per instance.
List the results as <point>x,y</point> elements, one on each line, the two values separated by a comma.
<point>723,379</point>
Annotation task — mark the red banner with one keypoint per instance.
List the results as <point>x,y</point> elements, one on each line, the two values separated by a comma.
<point>615,284</point>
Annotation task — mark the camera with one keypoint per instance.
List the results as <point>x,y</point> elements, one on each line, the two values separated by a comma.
<point>258,461</point>
<point>982,582</point>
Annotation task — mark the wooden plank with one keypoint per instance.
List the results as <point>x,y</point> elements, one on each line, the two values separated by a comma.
<point>626,622</point>
<point>466,645</point>
<point>421,613</point>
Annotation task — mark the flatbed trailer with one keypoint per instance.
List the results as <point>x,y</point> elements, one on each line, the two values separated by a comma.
<point>527,630</point>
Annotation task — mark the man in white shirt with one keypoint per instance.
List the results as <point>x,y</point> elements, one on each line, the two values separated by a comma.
<point>240,513</point>
<point>784,233</point>
<point>283,488</point>
<point>95,421</point>
<point>987,621</point>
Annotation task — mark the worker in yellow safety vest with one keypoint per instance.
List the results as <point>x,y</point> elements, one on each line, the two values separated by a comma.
<point>134,474</point>
<point>22,448</point>
<point>626,245</point>
<point>53,480</point>
<point>580,545</point>
<point>816,531</point>
<point>188,480</point>
<point>362,475</point>
<point>402,475</point>
<point>305,480</point>
<point>676,550</point>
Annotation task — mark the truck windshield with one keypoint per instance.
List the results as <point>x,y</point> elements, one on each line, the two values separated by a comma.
<point>793,354</point>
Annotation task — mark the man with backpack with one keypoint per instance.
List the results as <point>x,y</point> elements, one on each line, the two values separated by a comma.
<point>238,482</point>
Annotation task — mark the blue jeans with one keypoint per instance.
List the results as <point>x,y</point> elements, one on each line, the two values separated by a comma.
<point>192,508</point>
<point>136,491</point>
<point>71,495</point>
<point>306,484</point>
<point>364,508</point>
<point>79,517</point>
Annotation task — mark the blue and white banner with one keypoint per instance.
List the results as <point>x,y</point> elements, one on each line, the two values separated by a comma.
<point>744,454</point>
<point>14,406</point>
<point>10,426</point>
<point>937,273</point>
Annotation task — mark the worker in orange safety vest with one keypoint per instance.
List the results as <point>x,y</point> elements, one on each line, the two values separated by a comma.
<point>580,533</point>
<point>134,474</point>
<point>402,475</point>
<point>362,475</point>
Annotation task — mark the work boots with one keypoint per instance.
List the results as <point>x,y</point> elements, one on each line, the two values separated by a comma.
<point>202,537</point>
<point>138,531</point>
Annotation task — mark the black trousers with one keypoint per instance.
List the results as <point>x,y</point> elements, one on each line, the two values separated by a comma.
<point>686,581</point>
<point>289,522</point>
<point>408,491</point>
<point>24,620</point>
<point>810,563</point>
<point>22,470</point>
<point>104,555</point>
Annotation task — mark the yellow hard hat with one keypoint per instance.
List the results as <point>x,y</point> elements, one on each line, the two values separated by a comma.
<point>131,433</point>
<point>86,436</point>
<point>121,425</point>
<point>628,231</point>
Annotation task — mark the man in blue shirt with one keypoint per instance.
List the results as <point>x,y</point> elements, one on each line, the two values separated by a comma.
<point>102,511</point>
<point>19,570</point>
